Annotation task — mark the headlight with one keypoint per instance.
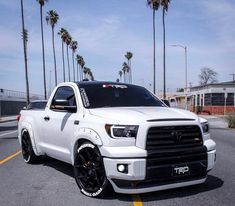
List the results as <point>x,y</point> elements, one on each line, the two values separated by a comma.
<point>205,127</point>
<point>117,131</point>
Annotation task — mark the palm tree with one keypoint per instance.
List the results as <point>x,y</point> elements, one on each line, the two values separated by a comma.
<point>25,40</point>
<point>120,75</point>
<point>73,47</point>
<point>62,34</point>
<point>165,5</point>
<point>52,19</point>
<point>42,2</point>
<point>85,71</point>
<point>68,41</point>
<point>125,69</point>
<point>154,5</point>
<point>92,77</point>
<point>128,56</point>
<point>79,60</point>
<point>82,68</point>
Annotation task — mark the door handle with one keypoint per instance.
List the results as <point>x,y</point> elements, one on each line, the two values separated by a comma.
<point>46,118</point>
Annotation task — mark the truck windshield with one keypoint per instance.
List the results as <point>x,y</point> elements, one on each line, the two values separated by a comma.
<point>117,95</point>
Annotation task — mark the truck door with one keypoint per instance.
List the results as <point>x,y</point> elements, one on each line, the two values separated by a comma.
<point>58,124</point>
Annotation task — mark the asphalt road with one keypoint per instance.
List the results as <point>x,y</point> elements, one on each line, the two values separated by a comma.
<point>51,182</point>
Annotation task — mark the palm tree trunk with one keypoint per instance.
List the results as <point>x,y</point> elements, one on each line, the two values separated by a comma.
<point>80,72</point>
<point>43,56</point>
<point>129,65</point>
<point>82,75</point>
<point>164,54</point>
<point>77,72</point>
<point>63,59</point>
<point>73,66</point>
<point>53,44</point>
<point>68,61</point>
<point>25,55</point>
<point>130,73</point>
<point>154,54</point>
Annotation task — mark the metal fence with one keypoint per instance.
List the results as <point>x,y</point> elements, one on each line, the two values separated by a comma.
<point>9,95</point>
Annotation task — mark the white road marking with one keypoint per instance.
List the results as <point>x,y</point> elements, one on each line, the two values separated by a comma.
<point>1,135</point>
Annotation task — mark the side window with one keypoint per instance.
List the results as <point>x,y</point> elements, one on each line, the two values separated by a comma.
<point>64,93</point>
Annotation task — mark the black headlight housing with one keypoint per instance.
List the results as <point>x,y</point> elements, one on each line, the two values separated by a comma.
<point>119,131</point>
<point>205,127</point>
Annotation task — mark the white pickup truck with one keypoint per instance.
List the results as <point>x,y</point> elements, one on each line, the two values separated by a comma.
<point>118,136</point>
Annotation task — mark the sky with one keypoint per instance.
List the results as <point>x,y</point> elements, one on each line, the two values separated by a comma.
<point>106,30</point>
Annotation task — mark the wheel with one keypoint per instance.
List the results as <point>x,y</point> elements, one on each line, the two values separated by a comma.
<point>27,150</point>
<point>89,171</point>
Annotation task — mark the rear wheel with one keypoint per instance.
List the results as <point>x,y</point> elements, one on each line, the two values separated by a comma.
<point>89,171</point>
<point>27,150</point>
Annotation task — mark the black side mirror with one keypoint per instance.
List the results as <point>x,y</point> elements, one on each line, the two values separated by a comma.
<point>166,102</point>
<point>63,105</point>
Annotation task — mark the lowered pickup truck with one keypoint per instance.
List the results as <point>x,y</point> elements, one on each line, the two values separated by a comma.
<point>118,136</point>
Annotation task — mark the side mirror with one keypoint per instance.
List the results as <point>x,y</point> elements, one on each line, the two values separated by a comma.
<point>166,102</point>
<point>63,105</point>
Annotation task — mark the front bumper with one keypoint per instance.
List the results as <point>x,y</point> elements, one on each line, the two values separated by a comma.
<point>139,179</point>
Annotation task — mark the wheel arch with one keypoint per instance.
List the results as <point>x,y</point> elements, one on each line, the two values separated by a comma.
<point>26,128</point>
<point>85,135</point>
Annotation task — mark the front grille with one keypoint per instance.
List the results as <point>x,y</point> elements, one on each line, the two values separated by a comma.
<point>173,137</point>
<point>175,146</point>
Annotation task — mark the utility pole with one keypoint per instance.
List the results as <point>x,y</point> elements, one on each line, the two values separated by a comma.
<point>233,77</point>
<point>186,72</point>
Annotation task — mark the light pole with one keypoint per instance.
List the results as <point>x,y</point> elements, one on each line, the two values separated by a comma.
<point>186,71</point>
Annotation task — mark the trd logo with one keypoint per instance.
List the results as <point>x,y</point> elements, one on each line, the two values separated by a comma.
<point>181,170</point>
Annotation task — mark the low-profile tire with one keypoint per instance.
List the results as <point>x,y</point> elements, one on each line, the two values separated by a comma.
<point>89,171</point>
<point>27,150</point>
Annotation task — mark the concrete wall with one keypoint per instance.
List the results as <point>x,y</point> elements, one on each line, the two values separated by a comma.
<point>11,107</point>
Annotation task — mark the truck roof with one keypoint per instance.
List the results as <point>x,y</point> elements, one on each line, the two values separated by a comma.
<point>100,83</point>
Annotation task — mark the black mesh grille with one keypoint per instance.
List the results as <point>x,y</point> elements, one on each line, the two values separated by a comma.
<point>173,137</point>
<point>170,146</point>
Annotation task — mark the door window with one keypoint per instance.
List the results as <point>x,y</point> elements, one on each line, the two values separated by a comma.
<point>64,93</point>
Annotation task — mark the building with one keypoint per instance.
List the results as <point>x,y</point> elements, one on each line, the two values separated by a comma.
<point>216,98</point>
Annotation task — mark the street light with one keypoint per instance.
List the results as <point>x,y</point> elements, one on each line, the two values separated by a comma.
<point>186,70</point>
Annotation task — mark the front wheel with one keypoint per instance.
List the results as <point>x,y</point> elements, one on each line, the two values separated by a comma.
<point>89,171</point>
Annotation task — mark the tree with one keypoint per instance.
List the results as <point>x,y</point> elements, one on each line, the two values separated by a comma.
<point>125,69</point>
<point>80,61</point>
<point>73,47</point>
<point>85,71</point>
<point>25,40</point>
<point>42,3</point>
<point>120,75</point>
<point>128,56</point>
<point>154,5</point>
<point>52,19</point>
<point>63,32</point>
<point>165,5</point>
<point>207,76</point>
<point>68,41</point>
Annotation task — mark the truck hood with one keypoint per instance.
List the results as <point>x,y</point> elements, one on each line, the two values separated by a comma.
<point>121,115</point>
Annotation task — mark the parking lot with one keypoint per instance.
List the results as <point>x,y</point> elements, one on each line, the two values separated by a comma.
<point>52,183</point>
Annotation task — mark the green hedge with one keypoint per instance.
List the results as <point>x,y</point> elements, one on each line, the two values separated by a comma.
<point>231,119</point>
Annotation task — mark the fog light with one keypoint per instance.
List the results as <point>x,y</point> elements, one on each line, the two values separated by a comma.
<point>123,168</point>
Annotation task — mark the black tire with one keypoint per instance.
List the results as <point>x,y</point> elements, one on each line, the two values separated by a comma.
<point>89,171</point>
<point>27,150</point>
